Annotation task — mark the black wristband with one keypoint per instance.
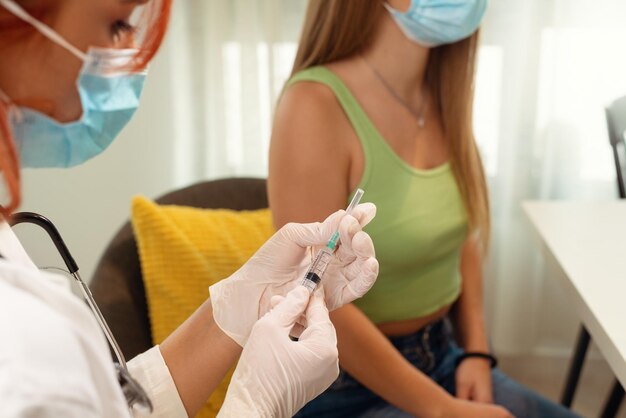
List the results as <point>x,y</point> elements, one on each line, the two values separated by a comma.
<point>472,354</point>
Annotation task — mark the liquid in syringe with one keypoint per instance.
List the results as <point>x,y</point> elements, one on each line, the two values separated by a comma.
<point>323,258</point>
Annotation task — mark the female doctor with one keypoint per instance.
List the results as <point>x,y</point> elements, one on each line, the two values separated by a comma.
<point>69,82</point>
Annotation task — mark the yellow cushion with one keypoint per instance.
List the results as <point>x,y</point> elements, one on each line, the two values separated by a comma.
<point>183,251</point>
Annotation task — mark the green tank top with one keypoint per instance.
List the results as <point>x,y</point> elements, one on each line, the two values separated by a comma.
<point>420,223</point>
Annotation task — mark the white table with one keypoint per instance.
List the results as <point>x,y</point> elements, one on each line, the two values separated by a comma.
<point>587,240</point>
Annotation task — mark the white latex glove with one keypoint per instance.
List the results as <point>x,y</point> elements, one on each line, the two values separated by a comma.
<point>276,376</point>
<point>279,265</point>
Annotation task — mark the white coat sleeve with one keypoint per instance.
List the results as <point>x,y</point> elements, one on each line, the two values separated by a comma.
<point>150,370</point>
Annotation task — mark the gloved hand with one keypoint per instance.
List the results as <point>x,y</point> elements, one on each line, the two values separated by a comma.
<point>276,376</point>
<point>279,265</point>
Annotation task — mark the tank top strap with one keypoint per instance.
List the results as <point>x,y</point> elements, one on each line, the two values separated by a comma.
<point>368,135</point>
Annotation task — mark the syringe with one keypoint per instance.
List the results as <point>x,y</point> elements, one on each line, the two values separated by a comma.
<point>314,274</point>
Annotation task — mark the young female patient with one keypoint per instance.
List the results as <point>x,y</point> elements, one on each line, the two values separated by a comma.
<point>381,98</point>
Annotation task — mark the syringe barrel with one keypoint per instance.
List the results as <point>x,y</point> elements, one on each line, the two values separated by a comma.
<point>314,274</point>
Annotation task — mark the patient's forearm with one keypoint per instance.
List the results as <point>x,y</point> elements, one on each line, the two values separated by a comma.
<point>469,308</point>
<point>198,355</point>
<point>367,354</point>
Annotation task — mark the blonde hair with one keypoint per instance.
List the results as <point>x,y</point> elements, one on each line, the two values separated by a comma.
<point>337,29</point>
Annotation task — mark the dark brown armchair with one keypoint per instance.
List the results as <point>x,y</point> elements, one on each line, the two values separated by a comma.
<point>117,284</point>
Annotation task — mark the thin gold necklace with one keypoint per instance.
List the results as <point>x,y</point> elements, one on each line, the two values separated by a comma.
<point>420,114</point>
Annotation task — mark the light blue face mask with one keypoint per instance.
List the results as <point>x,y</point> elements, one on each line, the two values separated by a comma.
<point>109,96</point>
<point>438,22</point>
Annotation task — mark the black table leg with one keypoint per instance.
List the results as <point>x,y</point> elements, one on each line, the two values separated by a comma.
<point>575,367</point>
<point>614,401</point>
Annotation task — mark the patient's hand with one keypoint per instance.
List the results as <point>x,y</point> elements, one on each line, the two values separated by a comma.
<point>467,409</point>
<point>473,380</point>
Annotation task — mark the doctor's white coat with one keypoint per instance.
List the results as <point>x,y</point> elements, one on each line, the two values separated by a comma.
<point>54,360</point>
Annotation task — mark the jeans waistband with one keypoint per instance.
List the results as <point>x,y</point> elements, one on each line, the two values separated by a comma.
<point>426,347</point>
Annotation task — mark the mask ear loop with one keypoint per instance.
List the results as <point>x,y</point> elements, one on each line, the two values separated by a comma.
<point>389,8</point>
<point>44,29</point>
<point>6,99</point>
<point>15,110</point>
<point>10,163</point>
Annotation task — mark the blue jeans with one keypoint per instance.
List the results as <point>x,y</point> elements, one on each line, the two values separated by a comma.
<point>433,351</point>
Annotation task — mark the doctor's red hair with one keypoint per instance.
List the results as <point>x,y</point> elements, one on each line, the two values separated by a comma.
<point>154,20</point>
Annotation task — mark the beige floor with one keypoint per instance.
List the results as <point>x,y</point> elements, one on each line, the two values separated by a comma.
<point>547,375</point>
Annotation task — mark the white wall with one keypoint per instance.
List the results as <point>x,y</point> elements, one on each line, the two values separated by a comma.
<point>90,202</point>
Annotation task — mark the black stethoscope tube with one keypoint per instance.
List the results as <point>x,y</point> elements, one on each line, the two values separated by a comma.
<point>134,393</point>
<point>53,233</point>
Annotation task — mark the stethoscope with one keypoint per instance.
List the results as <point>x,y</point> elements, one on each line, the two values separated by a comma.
<point>133,392</point>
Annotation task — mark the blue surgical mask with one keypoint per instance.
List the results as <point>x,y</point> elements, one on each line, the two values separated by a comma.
<point>109,95</point>
<point>438,22</point>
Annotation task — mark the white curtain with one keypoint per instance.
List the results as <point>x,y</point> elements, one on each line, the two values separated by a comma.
<point>232,59</point>
<point>546,70</point>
